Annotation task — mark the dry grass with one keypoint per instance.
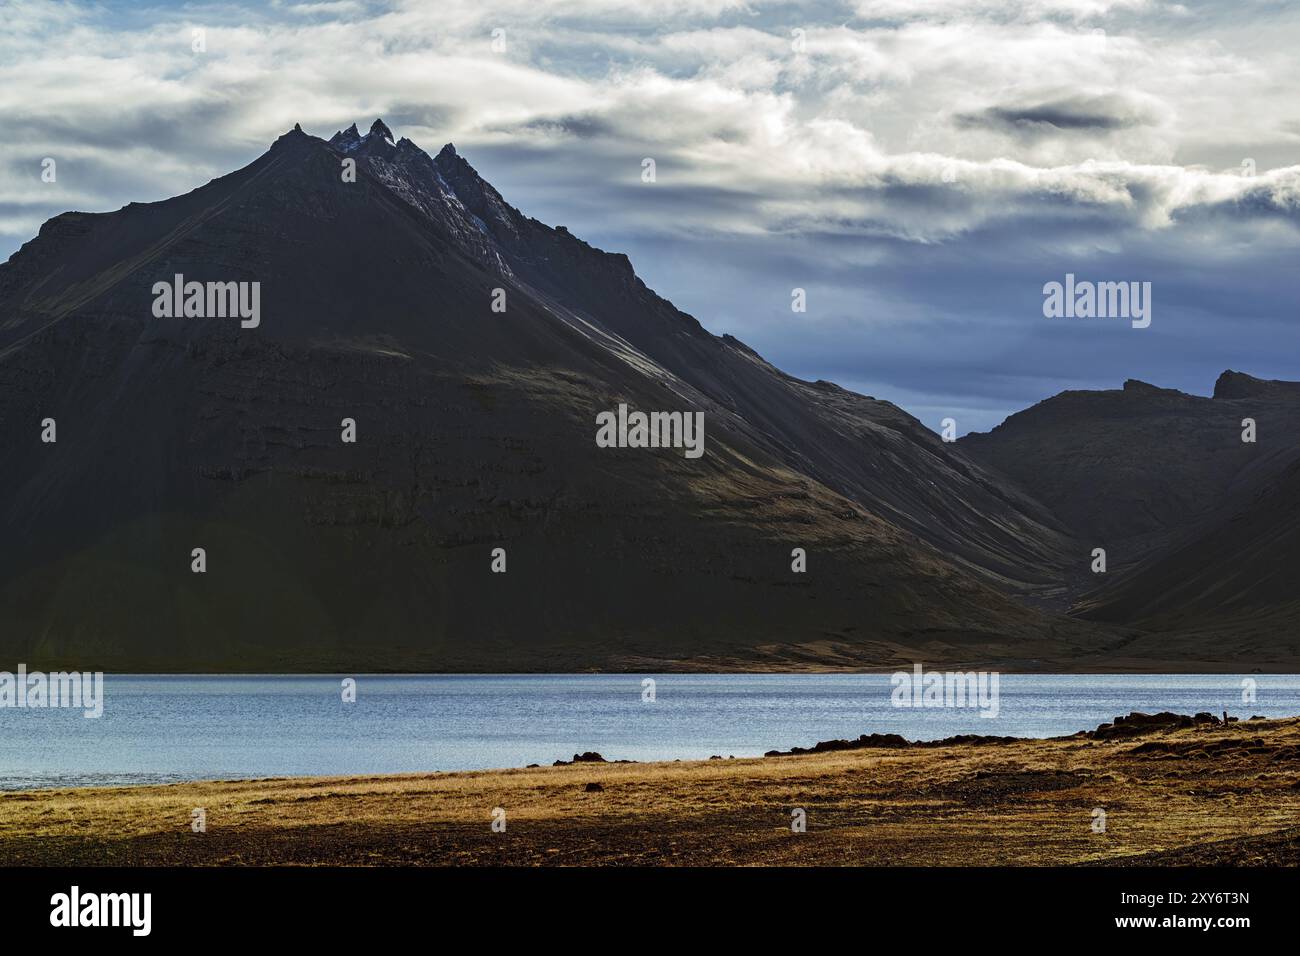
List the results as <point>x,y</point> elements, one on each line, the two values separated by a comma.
<point>1220,794</point>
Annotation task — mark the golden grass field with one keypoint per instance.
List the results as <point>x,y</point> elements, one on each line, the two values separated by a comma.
<point>1222,794</point>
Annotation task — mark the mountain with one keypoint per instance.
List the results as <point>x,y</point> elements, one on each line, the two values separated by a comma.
<point>1200,526</point>
<point>1133,469</point>
<point>377,269</point>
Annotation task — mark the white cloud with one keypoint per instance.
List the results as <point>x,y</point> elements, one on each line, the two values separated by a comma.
<point>923,129</point>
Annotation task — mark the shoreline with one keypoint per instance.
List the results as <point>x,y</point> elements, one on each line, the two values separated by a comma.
<point>865,741</point>
<point>704,667</point>
<point>1181,792</point>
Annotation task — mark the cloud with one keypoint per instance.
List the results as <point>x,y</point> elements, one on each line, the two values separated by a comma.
<point>1004,10</point>
<point>870,150</point>
<point>1068,114</point>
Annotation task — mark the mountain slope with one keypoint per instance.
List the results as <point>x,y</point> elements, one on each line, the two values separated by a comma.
<point>867,450</point>
<point>1200,526</point>
<point>475,431</point>
<point>1239,581</point>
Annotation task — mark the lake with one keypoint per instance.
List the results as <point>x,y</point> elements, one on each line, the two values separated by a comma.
<point>159,729</point>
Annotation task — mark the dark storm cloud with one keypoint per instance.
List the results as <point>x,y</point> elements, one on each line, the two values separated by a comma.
<point>584,126</point>
<point>1078,114</point>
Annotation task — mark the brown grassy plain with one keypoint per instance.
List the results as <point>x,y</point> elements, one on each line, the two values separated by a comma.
<point>1200,795</point>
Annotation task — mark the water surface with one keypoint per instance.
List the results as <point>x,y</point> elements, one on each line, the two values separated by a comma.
<point>162,729</point>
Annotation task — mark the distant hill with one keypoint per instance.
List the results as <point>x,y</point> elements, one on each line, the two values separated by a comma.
<point>1136,467</point>
<point>1200,526</point>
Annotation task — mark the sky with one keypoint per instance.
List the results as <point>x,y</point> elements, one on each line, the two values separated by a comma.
<point>919,169</point>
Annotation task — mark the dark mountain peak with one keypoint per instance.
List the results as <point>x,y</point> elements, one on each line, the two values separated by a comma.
<point>479,196</point>
<point>1231,385</point>
<point>448,189</point>
<point>1137,385</point>
<point>346,138</point>
<point>452,163</point>
<point>1075,405</point>
<point>294,137</point>
<point>378,140</point>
